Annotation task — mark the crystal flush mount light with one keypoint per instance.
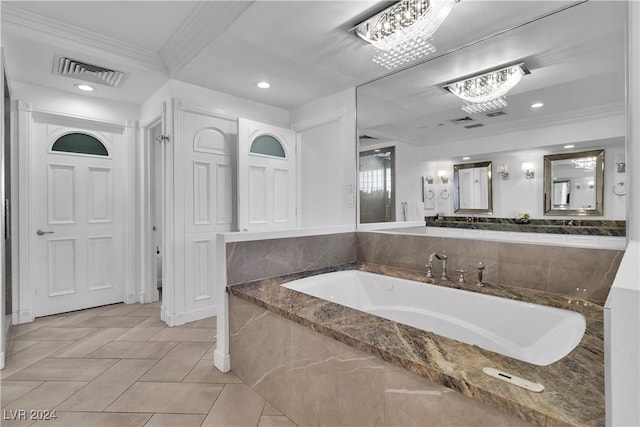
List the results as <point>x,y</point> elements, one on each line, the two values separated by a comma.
<point>402,32</point>
<point>486,91</point>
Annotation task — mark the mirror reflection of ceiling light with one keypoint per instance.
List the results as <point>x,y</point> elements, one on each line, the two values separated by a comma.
<point>486,91</point>
<point>588,163</point>
<point>85,88</point>
<point>402,32</point>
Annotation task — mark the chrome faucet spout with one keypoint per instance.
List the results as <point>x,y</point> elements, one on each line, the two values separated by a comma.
<point>440,257</point>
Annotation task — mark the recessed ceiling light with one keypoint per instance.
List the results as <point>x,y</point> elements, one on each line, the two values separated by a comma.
<point>569,146</point>
<point>264,85</point>
<point>466,158</point>
<point>376,150</point>
<point>537,105</point>
<point>86,88</point>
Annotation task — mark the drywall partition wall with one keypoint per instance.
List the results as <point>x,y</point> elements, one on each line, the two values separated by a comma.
<point>189,256</point>
<point>327,132</point>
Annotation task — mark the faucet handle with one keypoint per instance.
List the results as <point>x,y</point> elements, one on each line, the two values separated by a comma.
<point>461,275</point>
<point>480,269</point>
<point>429,271</point>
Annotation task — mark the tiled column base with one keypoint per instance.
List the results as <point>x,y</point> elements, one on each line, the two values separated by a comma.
<point>315,380</point>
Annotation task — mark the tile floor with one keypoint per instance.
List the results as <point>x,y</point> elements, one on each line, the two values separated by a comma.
<point>119,365</point>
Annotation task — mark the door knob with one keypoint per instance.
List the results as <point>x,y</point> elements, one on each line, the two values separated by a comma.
<point>42,232</point>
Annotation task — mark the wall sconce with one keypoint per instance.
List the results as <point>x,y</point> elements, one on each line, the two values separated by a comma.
<point>429,179</point>
<point>621,167</point>
<point>527,168</point>
<point>503,170</point>
<point>443,176</point>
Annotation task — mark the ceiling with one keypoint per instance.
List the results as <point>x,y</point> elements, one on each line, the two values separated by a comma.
<point>303,48</point>
<point>577,61</point>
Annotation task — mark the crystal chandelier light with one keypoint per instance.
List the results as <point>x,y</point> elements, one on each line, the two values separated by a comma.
<point>402,32</point>
<point>588,163</point>
<point>485,92</point>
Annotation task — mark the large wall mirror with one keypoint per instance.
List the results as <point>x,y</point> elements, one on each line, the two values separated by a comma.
<point>473,188</point>
<point>574,183</point>
<point>572,100</point>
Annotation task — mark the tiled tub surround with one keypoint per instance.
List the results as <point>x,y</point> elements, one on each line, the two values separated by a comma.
<point>580,272</point>
<point>259,259</point>
<point>584,227</point>
<point>314,380</point>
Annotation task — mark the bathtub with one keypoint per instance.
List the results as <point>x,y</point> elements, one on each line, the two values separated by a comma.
<point>528,332</point>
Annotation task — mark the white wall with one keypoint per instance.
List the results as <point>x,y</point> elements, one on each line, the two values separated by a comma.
<point>327,132</point>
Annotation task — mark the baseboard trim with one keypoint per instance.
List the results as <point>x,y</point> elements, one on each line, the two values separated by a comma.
<point>221,361</point>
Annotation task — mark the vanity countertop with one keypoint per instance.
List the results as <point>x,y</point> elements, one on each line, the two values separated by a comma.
<point>574,385</point>
<point>550,226</point>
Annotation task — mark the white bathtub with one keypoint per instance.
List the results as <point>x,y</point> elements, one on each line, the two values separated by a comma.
<point>529,332</point>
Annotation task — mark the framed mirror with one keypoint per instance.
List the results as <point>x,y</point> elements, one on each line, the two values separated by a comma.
<point>574,183</point>
<point>473,188</point>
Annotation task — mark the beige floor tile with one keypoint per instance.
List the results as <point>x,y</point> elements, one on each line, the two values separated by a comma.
<point>275,421</point>
<point>91,343</point>
<point>16,419</point>
<point>139,333</point>
<point>121,309</point>
<point>168,398</point>
<point>95,419</point>
<point>112,322</point>
<point>146,312</point>
<point>19,330</point>
<point>14,346</point>
<point>237,405</point>
<point>205,372</point>
<point>55,333</point>
<point>152,322</point>
<point>186,334</point>
<point>11,390</point>
<point>46,396</point>
<point>22,359</point>
<point>65,369</point>
<point>133,350</point>
<point>209,322</point>
<point>270,410</point>
<point>177,363</point>
<point>175,420</point>
<point>105,389</point>
<point>210,355</point>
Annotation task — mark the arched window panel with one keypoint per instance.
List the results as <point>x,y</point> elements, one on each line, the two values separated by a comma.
<point>80,143</point>
<point>267,145</point>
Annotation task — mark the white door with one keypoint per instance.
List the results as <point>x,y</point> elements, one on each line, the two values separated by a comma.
<point>76,218</point>
<point>266,177</point>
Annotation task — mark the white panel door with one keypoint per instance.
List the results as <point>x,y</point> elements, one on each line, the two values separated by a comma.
<point>209,143</point>
<point>267,182</point>
<point>76,223</point>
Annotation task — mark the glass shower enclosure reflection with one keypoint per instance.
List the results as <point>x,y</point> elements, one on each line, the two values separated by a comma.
<point>376,180</point>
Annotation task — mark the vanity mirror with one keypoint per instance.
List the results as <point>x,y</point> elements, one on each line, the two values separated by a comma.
<point>573,95</point>
<point>473,188</point>
<point>573,183</point>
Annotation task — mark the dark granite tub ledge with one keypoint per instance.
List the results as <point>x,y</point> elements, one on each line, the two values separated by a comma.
<point>574,385</point>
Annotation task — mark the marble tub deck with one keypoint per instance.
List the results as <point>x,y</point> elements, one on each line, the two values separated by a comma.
<point>574,385</point>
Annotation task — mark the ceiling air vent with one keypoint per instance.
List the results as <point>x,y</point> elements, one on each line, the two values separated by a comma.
<point>477,125</point>
<point>91,73</point>
<point>496,113</point>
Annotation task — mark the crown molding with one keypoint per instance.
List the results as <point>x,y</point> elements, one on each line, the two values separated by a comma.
<point>207,20</point>
<point>28,25</point>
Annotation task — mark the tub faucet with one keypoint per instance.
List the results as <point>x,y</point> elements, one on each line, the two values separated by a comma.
<point>480,268</point>
<point>441,257</point>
